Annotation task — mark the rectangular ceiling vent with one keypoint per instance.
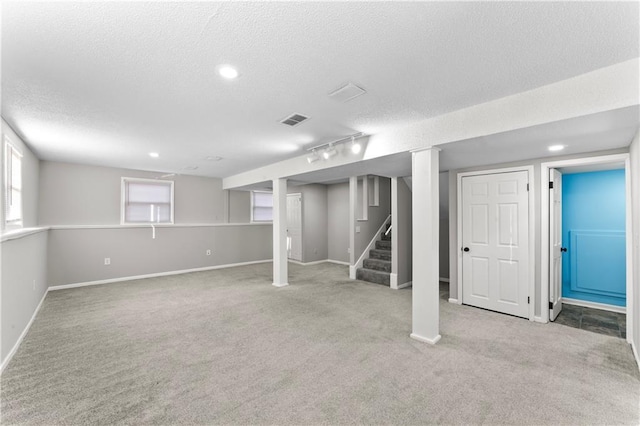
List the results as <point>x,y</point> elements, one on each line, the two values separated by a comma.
<point>347,92</point>
<point>294,120</point>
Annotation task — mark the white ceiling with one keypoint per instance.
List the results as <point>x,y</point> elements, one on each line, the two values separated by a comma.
<point>106,83</point>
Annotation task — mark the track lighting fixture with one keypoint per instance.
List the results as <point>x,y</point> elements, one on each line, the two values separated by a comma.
<point>330,148</point>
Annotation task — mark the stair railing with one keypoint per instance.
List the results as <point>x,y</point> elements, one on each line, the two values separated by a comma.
<point>365,253</point>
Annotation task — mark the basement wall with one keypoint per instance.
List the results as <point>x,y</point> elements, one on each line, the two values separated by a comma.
<point>314,221</point>
<point>338,222</point>
<point>377,215</point>
<point>81,204</point>
<point>23,255</point>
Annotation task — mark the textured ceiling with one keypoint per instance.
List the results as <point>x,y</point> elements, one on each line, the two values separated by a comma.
<point>106,83</point>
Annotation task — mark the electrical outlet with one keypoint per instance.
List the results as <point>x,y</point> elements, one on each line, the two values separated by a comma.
<point>107,261</point>
<point>348,250</point>
<point>208,252</point>
<point>357,229</point>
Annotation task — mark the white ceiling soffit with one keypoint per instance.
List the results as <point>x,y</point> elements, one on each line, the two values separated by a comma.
<point>596,132</point>
<point>106,83</point>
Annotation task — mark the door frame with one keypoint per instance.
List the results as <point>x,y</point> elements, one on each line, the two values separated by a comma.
<point>532,222</point>
<point>544,228</point>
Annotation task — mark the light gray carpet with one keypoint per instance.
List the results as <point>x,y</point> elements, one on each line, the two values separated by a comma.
<point>226,347</point>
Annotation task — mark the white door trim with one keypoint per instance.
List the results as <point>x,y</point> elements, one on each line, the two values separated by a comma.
<point>532,222</point>
<point>544,228</point>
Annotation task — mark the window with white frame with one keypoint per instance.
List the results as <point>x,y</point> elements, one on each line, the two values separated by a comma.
<point>147,201</point>
<point>13,185</point>
<point>261,206</point>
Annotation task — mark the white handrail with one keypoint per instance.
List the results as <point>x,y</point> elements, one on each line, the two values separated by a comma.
<point>372,243</point>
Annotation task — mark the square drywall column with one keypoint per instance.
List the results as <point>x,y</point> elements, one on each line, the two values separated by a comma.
<point>280,266</point>
<point>426,212</point>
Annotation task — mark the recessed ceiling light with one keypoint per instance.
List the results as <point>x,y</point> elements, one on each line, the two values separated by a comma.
<point>554,148</point>
<point>191,168</point>
<point>228,72</point>
<point>154,155</point>
<point>213,158</point>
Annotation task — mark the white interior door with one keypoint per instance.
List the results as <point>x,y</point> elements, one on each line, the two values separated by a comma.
<point>555,241</point>
<point>294,226</point>
<point>495,238</point>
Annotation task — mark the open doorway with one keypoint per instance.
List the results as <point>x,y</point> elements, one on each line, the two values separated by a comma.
<point>586,255</point>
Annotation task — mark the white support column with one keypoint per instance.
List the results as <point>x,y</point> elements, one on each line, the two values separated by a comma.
<point>280,266</point>
<point>353,206</point>
<point>365,198</point>
<point>426,291</point>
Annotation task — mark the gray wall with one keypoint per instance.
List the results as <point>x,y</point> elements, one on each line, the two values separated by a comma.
<point>314,221</point>
<point>535,180</point>
<point>338,222</point>
<point>239,206</point>
<point>377,215</point>
<point>77,255</point>
<point>72,194</point>
<point>23,261</point>
<point>30,179</point>
<point>24,284</point>
<point>402,233</point>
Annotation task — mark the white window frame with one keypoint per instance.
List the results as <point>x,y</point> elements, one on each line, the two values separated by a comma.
<point>252,207</point>
<point>9,151</point>
<point>123,183</point>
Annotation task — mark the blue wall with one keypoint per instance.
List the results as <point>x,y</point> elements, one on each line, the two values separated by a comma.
<point>593,230</point>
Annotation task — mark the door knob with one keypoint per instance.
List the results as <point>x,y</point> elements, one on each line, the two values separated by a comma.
<point>465,249</point>
<point>563,249</point>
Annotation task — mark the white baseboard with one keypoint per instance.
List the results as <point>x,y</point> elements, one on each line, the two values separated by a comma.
<point>352,272</point>
<point>425,339</point>
<point>159,274</point>
<point>315,262</point>
<point>280,284</point>
<point>444,280</point>
<point>635,354</point>
<point>338,262</point>
<point>452,300</point>
<point>539,319</point>
<point>393,281</point>
<point>594,305</point>
<point>13,351</point>
<point>404,285</point>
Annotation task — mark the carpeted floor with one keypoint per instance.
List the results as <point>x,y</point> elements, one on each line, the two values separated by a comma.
<point>226,347</point>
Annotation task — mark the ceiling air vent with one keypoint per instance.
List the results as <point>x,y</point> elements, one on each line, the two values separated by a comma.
<point>294,120</point>
<point>347,92</point>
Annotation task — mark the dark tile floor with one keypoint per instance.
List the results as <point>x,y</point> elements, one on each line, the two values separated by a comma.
<point>595,320</point>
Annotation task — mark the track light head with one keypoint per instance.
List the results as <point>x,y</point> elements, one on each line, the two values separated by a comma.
<point>355,146</point>
<point>313,157</point>
<point>329,152</point>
